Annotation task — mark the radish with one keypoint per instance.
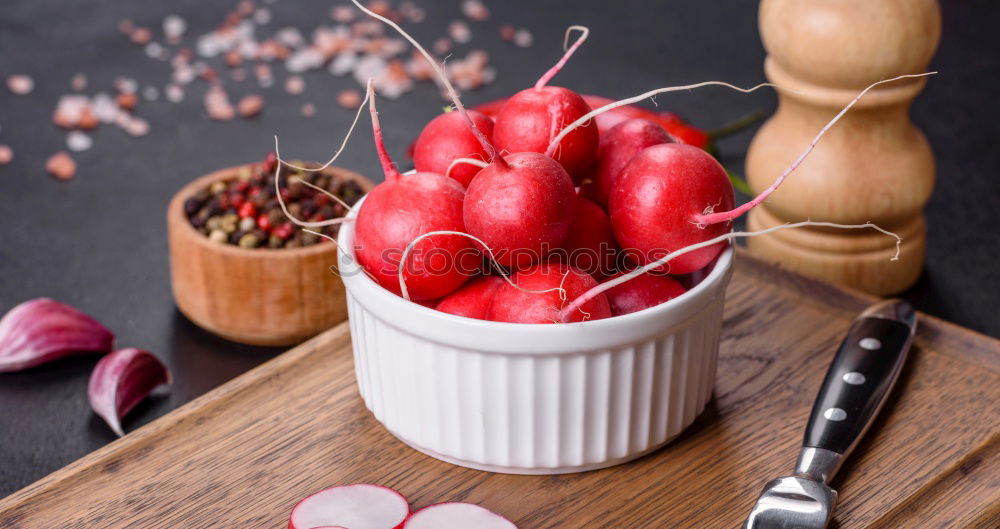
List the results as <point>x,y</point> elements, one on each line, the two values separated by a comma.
<point>530,118</point>
<point>473,300</point>
<point>539,293</point>
<point>617,148</point>
<point>448,137</point>
<point>591,244</point>
<point>656,198</point>
<point>521,206</point>
<point>454,515</point>
<point>643,292</point>
<point>358,506</point>
<point>400,209</point>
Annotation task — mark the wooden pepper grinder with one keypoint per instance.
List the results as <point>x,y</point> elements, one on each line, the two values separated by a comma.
<point>874,165</point>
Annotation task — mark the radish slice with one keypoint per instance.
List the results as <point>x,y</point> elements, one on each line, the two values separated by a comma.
<point>457,516</point>
<point>358,506</point>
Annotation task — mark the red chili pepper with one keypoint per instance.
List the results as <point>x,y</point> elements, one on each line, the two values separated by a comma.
<point>247,209</point>
<point>264,222</point>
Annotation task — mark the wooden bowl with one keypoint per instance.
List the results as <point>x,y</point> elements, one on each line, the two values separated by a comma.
<point>259,296</point>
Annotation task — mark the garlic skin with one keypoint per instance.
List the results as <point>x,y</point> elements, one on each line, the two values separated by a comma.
<point>121,380</point>
<point>41,330</point>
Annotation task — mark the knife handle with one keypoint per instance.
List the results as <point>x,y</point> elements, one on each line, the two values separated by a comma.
<point>860,377</point>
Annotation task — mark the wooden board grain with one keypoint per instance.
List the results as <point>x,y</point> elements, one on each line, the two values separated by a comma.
<point>240,456</point>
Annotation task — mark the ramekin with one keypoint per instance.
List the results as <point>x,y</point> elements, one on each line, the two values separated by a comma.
<point>533,398</point>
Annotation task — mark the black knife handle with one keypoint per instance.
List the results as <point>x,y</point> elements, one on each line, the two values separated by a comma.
<point>861,376</point>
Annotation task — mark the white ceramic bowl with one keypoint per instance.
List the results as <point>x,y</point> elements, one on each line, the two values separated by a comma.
<point>533,398</point>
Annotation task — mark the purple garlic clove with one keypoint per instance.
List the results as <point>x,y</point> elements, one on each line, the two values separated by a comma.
<point>42,330</point>
<point>121,380</point>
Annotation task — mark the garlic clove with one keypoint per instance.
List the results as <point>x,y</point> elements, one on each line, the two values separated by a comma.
<point>121,380</point>
<point>41,330</point>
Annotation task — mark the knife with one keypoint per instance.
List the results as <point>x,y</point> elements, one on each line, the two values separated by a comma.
<point>856,386</point>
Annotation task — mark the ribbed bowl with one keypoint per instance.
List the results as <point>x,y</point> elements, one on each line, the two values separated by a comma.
<point>534,399</point>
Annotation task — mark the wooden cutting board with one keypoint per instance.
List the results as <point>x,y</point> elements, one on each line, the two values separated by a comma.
<point>240,456</point>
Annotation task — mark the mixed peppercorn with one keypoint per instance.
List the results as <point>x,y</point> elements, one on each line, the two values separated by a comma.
<point>245,212</point>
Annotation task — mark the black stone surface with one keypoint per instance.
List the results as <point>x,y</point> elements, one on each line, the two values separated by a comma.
<point>99,242</point>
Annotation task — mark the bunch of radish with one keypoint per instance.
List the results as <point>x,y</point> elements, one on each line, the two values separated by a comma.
<point>365,506</point>
<point>573,222</point>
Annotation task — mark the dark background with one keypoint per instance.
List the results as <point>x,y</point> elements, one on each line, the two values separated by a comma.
<point>99,241</point>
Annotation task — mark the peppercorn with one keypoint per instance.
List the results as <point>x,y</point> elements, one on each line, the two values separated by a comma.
<point>217,187</point>
<point>218,236</point>
<point>229,222</point>
<point>248,209</point>
<point>275,242</point>
<point>283,231</point>
<point>213,223</point>
<point>249,241</point>
<point>247,223</point>
<point>191,206</point>
<point>264,222</point>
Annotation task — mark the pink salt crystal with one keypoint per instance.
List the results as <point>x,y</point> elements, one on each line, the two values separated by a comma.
<point>295,85</point>
<point>135,127</point>
<point>217,104</point>
<point>244,8</point>
<point>174,28</point>
<point>250,105</point>
<point>523,38</point>
<point>459,32</point>
<point>442,46</point>
<point>20,84</point>
<point>141,36</point>
<point>262,16</point>
<point>349,98</point>
<point>418,67</point>
<point>507,33</point>
<point>393,81</point>
<point>342,14</point>
<point>344,63</point>
<point>174,93</point>
<point>411,12</point>
<point>6,154</point>
<point>78,141</point>
<point>475,10</point>
<point>61,166</point>
<point>78,82</point>
<point>239,75</point>
<point>308,110</point>
<point>126,27</point>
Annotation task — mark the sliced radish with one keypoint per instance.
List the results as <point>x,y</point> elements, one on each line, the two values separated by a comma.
<point>457,516</point>
<point>358,506</point>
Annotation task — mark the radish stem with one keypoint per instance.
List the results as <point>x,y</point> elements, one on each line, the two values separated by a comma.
<point>554,144</point>
<point>599,289</point>
<point>733,127</point>
<point>584,33</point>
<point>487,146</point>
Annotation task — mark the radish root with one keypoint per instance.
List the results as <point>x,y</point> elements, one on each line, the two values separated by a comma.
<point>493,261</point>
<point>487,146</point>
<point>599,289</point>
<point>554,144</point>
<point>470,161</point>
<point>725,216</point>
<point>281,162</point>
<point>584,33</point>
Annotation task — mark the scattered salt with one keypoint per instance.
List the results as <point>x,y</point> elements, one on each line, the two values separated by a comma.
<point>20,84</point>
<point>295,85</point>
<point>475,10</point>
<point>308,110</point>
<point>459,32</point>
<point>78,141</point>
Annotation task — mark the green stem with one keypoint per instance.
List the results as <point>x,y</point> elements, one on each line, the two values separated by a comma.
<point>735,126</point>
<point>739,183</point>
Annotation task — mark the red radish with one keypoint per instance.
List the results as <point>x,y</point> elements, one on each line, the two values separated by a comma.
<point>357,506</point>
<point>656,199</point>
<point>645,291</point>
<point>521,206</point>
<point>457,516</point>
<point>399,210</point>
<point>540,294</point>
<point>672,123</point>
<point>591,245</point>
<point>530,118</point>
<point>448,137</point>
<point>473,300</point>
<point>617,148</point>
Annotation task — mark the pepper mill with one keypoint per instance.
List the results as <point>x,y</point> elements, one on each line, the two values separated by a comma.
<point>873,165</point>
